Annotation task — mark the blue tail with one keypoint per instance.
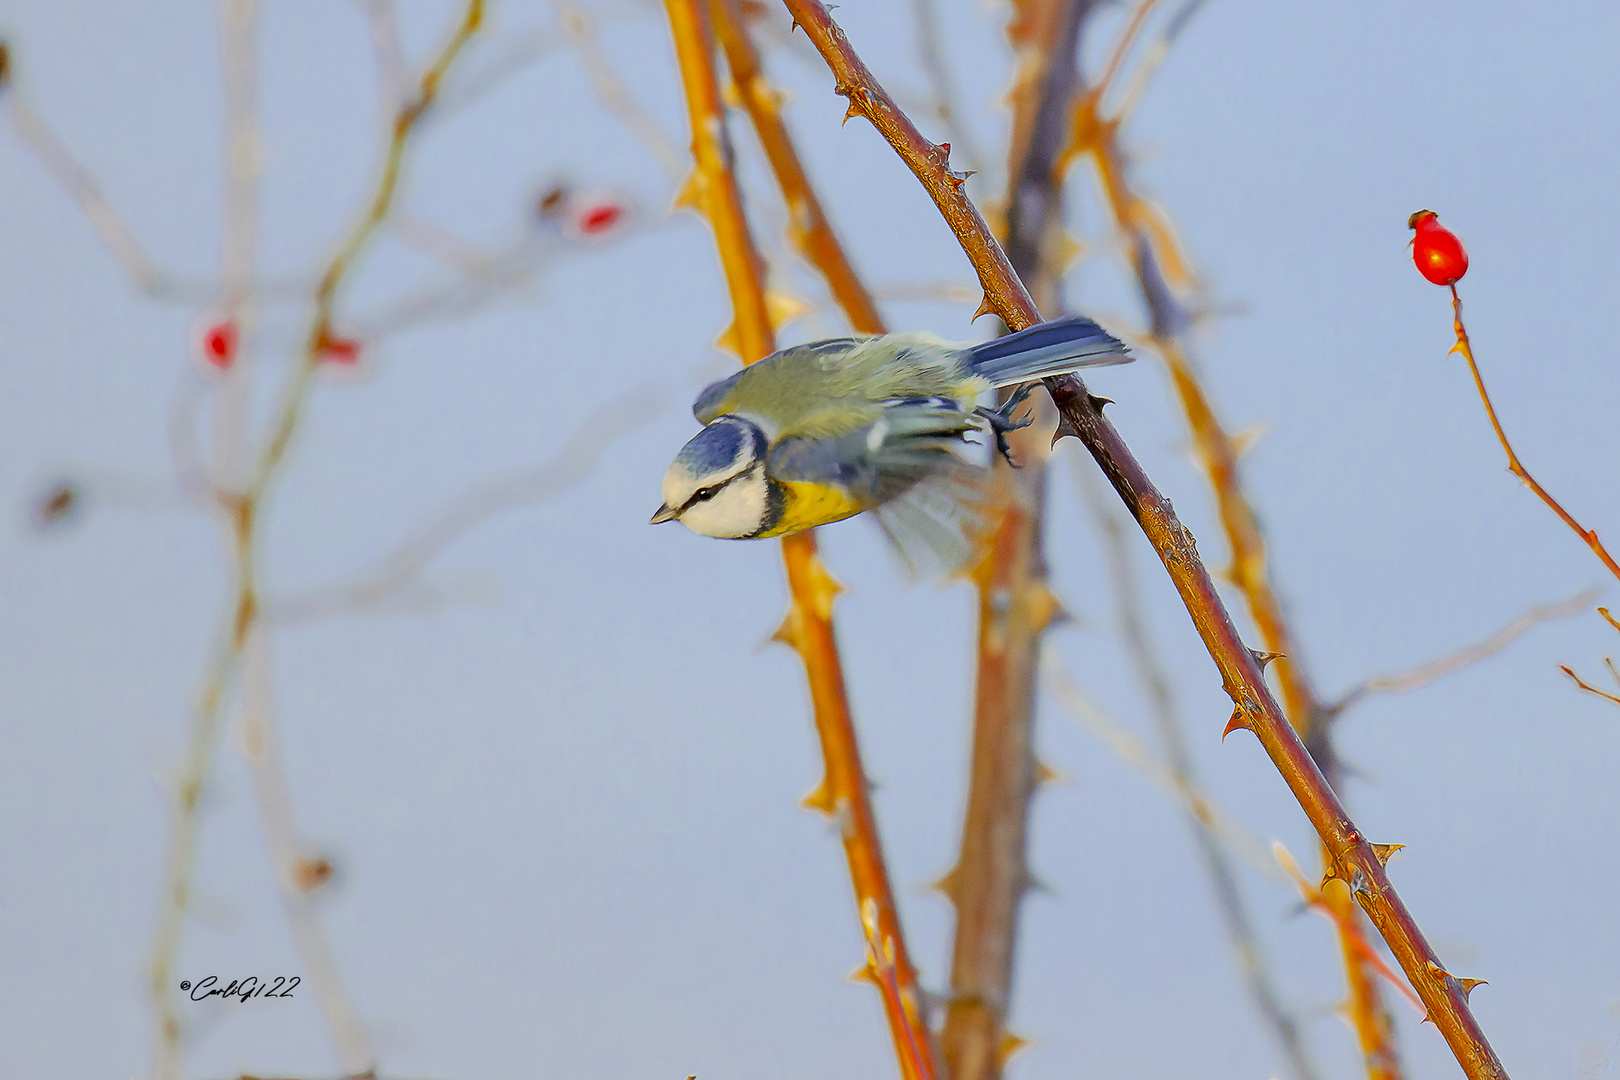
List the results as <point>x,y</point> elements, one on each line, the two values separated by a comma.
<point>1058,347</point>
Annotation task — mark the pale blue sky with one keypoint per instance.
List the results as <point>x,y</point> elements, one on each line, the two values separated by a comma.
<point>564,807</point>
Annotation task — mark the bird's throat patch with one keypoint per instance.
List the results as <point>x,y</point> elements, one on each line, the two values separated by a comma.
<point>806,505</point>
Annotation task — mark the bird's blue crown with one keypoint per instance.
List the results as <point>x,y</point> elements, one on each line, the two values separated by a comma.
<point>724,443</point>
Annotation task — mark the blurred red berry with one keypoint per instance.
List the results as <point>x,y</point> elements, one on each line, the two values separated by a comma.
<point>596,216</point>
<point>1438,253</point>
<point>218,344</point>
<point>599,219</point>
<point>344,351</point>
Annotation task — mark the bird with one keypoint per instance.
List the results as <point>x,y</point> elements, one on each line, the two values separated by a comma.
<point>823,431</point>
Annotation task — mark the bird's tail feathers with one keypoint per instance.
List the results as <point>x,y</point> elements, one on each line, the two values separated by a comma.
<point>1058,347</point>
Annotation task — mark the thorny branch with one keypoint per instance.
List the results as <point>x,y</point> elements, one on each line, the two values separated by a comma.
<point>1016,606</point>
<point>843,794</point>
<point>1316,898</point>
<point>1152,248</point>
<point>1183,781</point>
<point>1352,857</point>
<point>808,228</point>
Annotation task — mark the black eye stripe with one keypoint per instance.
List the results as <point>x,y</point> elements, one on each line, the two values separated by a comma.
<point>702,494</point>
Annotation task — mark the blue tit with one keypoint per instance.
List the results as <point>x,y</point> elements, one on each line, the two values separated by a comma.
<point>826,430</point>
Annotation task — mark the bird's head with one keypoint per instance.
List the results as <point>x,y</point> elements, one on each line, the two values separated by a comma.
<point>717,486</point>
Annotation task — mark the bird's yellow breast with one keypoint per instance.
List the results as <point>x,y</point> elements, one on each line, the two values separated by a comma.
<point>806,504</point>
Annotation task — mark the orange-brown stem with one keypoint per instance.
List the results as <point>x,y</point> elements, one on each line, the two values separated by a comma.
<point>1248,570</point>
<point>1351,856</point>
<point>808,227</point>
<point>843,792</point>
<point>992,875</point>
<point>1588,535</point>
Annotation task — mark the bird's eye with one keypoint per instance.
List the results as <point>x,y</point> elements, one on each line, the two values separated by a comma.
<point>704,494</point>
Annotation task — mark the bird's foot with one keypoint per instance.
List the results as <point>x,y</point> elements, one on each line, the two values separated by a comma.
<point>1001,420</point>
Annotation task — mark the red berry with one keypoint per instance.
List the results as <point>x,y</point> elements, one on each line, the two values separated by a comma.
<point>345,351</point>
<point>1438,253</point>
<point>594,216</point>
<point>218,344</point>
<point>599,219</point>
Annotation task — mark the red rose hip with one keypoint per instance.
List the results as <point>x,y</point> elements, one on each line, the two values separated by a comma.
<point>1438,253</point>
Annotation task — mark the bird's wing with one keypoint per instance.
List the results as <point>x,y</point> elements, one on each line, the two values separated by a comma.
<point>901,445</point>
<point>717,398</point>
<point>836,386</point>
<point>896,366</point>
<point>930,502</point>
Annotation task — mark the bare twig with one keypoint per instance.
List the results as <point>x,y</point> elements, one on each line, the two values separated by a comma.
<point>85,190</point>
<point>843,792</point>
<point>176,896</point>
<point>1614,673</point>
<point>1592,689</point>
<point>506,56</point>
<point>297,873</point>
<point>946,104</point>
<point>382,19</point>
<point>1154,55</point>
<point>1210,818</point>
<point>928,292</point>
<point>1182,780</point>
<point>1352,857</point>
<point>583,449</point>
<point>581,30</point>
<point>1589,536</point>
<point>321,333</point>
<point>1405,682</point>
<point>241,513</point>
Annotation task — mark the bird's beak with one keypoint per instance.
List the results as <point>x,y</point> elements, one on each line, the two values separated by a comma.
<point>664,514</point>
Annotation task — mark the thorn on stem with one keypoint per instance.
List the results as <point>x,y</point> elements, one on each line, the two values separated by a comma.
<point>820,799</point>
<point>1263,658</point>
<point>789,632</point>
<point>1237,722</point>
<point>1098,402</point>
<point>1384,851</point>
<point>1064,428</point>
<point>1009,1045</point>
<point>1046,774</point>
<point>1468,985</point>
<point>985,308</point>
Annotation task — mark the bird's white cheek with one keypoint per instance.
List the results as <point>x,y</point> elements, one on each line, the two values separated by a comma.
<point>737,511</point>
